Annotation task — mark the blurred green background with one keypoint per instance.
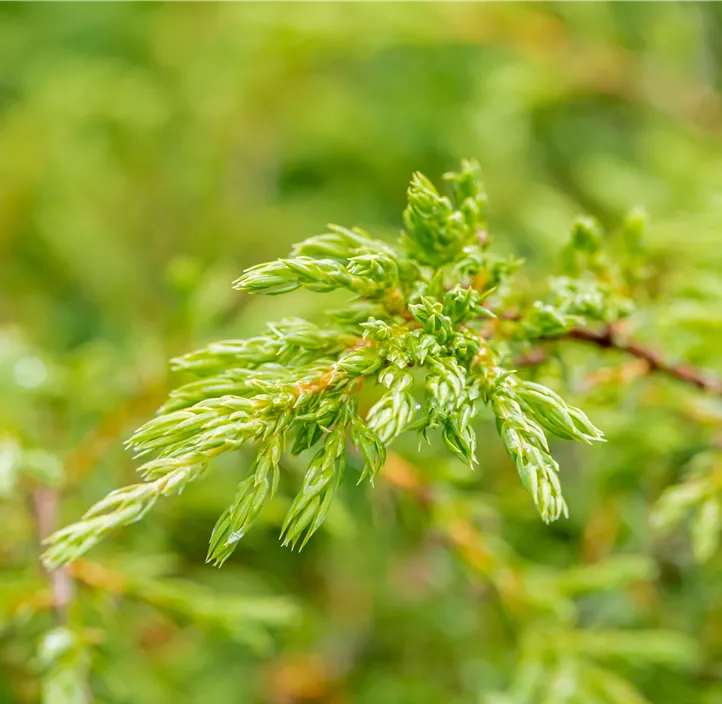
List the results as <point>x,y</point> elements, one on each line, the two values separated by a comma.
<point>150,152</point>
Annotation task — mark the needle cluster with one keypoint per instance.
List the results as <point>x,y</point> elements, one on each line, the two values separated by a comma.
<point>416,327</point>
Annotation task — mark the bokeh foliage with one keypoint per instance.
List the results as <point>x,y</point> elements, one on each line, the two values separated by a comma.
<point>150,153</point>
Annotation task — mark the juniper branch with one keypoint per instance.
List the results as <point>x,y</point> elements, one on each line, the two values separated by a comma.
<point>413,327</point>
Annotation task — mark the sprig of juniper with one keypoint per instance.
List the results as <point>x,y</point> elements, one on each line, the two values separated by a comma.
<point>415,327</point>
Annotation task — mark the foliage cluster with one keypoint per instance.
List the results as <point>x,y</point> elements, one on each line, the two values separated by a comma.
<point>151,153</point>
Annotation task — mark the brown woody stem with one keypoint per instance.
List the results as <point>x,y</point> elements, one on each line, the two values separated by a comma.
<point>606,339</point>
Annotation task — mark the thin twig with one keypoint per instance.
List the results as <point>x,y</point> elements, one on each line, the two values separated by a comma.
<point>606,339</point>
<point>45,508</point>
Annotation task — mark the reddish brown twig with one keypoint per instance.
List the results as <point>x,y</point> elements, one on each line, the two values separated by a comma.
<point>680,371</point>
<point>606,339</point>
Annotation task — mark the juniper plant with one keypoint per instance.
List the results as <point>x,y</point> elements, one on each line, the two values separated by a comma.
<point>428,322</point>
